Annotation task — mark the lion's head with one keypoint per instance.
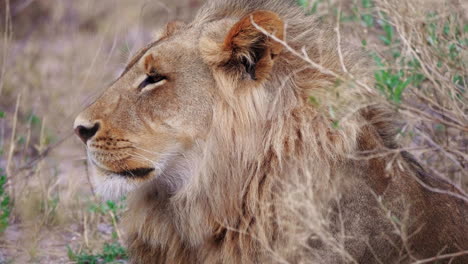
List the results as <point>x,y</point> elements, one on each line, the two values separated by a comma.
<point>150,123</point>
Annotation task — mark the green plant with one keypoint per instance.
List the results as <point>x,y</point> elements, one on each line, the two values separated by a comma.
<point>388,37</point>
<point>111,253</point>
<point>5,207</point>
<point>392,83</point>
<point>303,3</point>
<point>34,120</point>
<point>367,18</point>
<point>310,6</point>
<point>109,207</point>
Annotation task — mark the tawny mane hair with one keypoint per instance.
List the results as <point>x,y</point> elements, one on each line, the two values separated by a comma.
<point>296,166</point>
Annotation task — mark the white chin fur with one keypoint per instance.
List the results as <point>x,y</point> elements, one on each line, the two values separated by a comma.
<point>112,187</point>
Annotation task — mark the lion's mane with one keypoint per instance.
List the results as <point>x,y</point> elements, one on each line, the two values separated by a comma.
<point>284,175</point>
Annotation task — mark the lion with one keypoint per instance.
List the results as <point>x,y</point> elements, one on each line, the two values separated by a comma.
<point>232,148</point>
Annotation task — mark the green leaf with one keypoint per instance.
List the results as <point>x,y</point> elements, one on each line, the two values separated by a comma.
<point>453,51</point>
<point>71,254</point>
<point>457,79</point>
<point>440,127</point>
<point>368,20</point>
<point>314,101</point>
<point>366,3</point>
<point>336,124</point>
<point>387,39</point>
<point>397,93</point>
<point>396,54</point>
<point>2,180</point>
<point>313,10</point>
<point>34,120</point>
<point>2,114</point>
<point>5,202</point>
<point>21,140</point>
<point>446,28</point>
<point>417,79</point>
<point>111,206</point>
<point>364,42</point>
<point>303,3</point>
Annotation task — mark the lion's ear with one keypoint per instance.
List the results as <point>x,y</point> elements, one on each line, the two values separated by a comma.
<point>170,29</point>
<point>250,44</point>
<point>173,27</point>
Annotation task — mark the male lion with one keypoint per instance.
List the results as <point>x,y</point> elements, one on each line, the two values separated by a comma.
<point>211,132</point>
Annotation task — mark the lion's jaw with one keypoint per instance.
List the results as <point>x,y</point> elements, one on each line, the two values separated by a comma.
<point>169,175</point>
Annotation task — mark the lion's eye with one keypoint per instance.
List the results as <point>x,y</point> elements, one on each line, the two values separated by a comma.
<point>151,79</point>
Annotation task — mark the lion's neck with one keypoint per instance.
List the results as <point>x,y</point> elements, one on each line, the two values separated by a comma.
<point>242,168</point>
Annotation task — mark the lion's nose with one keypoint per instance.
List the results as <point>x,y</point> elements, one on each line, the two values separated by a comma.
<point>86,132</point>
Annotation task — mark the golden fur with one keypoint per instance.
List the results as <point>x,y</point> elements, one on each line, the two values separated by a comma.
<point>228,160</point>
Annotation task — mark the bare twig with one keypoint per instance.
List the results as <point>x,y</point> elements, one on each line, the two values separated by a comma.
<point>45,152</point>
<point>305,57</point>
<point>338,39</point>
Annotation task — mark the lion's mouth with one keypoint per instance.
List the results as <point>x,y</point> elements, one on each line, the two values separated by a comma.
<point>131,173</point>
<point>135,173</point>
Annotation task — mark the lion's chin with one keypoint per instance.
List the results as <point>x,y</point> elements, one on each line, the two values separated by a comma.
<point>167,177</point>
<point>111,186</point>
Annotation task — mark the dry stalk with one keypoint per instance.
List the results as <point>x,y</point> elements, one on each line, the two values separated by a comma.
<point>305,57</point>
<point>38,173</point>
<point>6,40</point>
<point>114,223</point>
<point>9,166</point>
<point>338,40</point>
<point>85,230</point>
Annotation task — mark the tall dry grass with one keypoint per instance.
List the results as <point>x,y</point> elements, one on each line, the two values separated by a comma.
<point>423,46</point>
<point>56,57</point>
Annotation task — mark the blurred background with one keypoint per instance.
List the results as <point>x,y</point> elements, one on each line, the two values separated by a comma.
<point>57,56</point>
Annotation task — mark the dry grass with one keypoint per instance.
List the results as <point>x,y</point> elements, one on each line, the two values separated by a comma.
<point>56,57</point>
<point>422,46</point>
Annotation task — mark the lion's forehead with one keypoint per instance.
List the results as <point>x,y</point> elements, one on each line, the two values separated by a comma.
<point>183,99</point>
